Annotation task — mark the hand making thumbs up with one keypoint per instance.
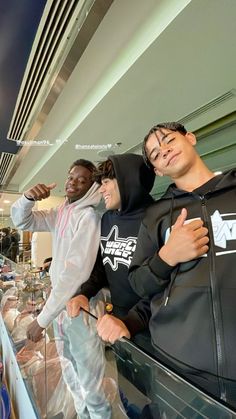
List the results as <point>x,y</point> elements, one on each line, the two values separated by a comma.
<point>187,241</point>
<point>39,191</point>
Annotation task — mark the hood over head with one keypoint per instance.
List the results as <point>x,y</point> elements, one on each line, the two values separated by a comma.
<point>135,181</point>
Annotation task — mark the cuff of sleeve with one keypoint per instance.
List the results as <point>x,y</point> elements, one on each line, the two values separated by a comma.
<point>133,323</point>
<point>28,199</point>
<point>160,268</point>
<point>86,292</point>
<point>42,321</point>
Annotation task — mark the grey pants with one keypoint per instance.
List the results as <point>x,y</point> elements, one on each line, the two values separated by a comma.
<point>81,345</point>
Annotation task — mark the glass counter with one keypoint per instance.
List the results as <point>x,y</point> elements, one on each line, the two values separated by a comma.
<point>71,373</point>
<point>22,295</point>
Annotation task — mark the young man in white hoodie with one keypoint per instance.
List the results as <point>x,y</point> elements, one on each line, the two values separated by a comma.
<point>75,228</point>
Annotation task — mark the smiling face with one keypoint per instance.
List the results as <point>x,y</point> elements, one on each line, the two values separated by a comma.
<point>110,193</point>
<point>78,183</point>
<point>171,153</point>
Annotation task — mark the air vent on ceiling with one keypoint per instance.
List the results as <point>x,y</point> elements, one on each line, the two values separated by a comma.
<point>5,164</point>
<point>208,106</point>
<point>64,32</point>
<point>54,26</point>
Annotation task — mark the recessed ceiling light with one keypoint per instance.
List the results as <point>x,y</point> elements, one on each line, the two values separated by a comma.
<point>218,172</point>
<point>6,201</point>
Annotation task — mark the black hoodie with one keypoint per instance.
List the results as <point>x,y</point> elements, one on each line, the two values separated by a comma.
<point>119,231</point>
<point>194,304</point>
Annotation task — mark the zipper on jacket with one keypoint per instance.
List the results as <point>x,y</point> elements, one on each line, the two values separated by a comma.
<point>215,300</point>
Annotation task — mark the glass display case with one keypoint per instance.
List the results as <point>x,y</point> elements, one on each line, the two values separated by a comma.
<point>45,381</point>
<point>22,295</point>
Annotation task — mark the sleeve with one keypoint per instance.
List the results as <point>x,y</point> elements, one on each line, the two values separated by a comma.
<point>148,274</point>
<point>97,280</point>
<point>25,219</point>
<point>138,317</point>
<point>79,261</point>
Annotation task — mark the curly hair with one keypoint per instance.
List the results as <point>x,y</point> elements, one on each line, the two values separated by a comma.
<point>104,170</point>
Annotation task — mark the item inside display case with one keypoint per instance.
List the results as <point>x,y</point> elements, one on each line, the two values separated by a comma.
<point>22,300</point>
<point>133,382</point>
<point>5,404</point>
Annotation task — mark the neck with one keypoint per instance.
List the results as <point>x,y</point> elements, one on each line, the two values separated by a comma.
<point>71,200</point>
<point>194,178</point>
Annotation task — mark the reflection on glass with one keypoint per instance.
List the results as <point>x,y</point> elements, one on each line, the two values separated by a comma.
<point>70,372</point>
<point>159,393</point>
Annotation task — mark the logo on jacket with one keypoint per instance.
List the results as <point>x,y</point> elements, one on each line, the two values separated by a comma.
<point>117,249</point>
<point>224,230</point>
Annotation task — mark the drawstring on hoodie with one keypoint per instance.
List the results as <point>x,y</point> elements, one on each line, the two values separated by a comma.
<point>63,227</point>
<point>60,211</point>
<point>168,290</point>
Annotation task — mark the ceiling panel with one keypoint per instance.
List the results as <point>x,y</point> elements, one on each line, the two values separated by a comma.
<point>168,62</point>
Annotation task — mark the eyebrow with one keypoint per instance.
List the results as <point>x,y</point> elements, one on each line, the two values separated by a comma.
<point>79,177</point>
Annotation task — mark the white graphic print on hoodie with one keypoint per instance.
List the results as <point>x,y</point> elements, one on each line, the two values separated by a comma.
<point>75,232</point>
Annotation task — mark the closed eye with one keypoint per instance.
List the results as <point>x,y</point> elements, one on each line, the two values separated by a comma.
<point>169,139</point>
<point>155,156</point>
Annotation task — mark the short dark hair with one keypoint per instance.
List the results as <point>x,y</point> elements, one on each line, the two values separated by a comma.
<point>104,170</point>
<point>84,163</point>
<point>172,126</point>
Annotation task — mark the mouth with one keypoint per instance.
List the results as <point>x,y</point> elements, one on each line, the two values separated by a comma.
<point>72,190</point>
<point>106,198</point>
<point>172,159</point>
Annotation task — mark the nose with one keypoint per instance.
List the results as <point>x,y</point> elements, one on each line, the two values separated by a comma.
<point>101,189</point>
<point>165,150</point>
<point>73,181</point>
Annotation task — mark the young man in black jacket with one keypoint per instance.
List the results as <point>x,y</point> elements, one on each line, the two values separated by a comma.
<point>184,263</point>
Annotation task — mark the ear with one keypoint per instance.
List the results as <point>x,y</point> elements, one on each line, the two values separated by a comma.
<point>157,172</point>
<point>191,138</point>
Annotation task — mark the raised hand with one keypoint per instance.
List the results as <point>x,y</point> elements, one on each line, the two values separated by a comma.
<point>39,191</point>
<point>187,241</point>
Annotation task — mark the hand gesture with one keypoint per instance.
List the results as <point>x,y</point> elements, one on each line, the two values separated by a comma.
<point>75,304</point>
<point>39,191</point>
<point>34,331</point>
<point>111,328</point>
<point>187,241</point>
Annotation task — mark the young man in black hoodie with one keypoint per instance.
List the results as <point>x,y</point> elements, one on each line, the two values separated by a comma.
<point>125,185</point>
<point>183,262</point>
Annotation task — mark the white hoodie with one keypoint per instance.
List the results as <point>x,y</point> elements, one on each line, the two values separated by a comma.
<point>75,232</point>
